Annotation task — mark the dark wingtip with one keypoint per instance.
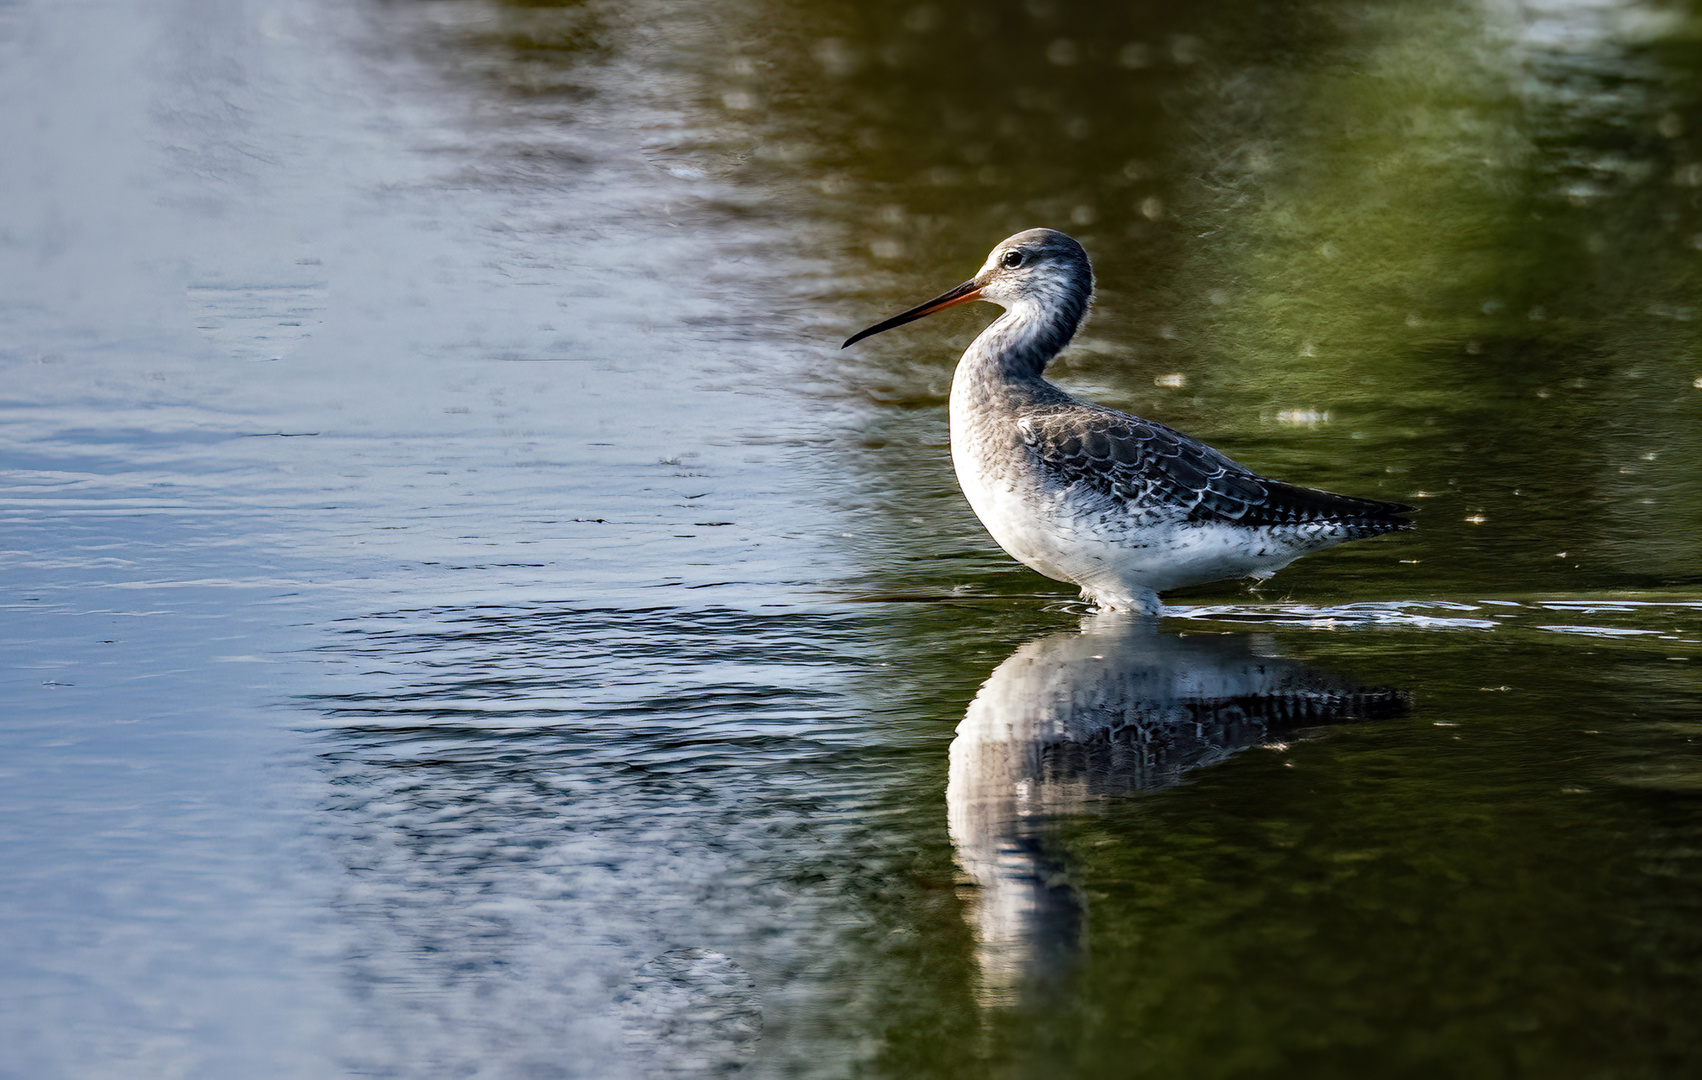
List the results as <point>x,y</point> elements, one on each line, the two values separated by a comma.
<point>1288,503</point>
<point>1389,518</point>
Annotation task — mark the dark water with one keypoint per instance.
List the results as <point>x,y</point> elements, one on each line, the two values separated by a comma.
<point>464,618</point>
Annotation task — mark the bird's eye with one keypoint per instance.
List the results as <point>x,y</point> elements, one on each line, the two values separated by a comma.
<point>1010,260</point>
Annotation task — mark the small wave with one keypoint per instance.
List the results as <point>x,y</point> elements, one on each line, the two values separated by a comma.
<point>1423,615</point>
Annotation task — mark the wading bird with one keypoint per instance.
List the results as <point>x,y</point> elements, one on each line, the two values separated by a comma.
<point>1123,507</point>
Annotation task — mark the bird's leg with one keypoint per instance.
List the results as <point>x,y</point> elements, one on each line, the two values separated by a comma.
<point>1144,602</point>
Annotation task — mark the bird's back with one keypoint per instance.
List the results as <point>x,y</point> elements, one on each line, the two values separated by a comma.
<point>1143,467</point>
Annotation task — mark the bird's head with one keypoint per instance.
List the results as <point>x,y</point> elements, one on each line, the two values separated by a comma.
<point>1040,268</point>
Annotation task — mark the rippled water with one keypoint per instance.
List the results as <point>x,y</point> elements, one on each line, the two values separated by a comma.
<point>463,617</point>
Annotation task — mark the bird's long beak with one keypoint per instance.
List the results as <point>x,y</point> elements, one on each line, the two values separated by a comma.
<point>963,294</point>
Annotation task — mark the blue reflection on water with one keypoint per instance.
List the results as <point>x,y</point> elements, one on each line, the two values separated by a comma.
<point>530,802</point>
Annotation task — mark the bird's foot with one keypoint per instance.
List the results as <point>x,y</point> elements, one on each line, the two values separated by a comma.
<point>1144,602</point>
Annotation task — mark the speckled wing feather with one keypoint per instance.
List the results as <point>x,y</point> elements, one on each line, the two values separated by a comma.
<point>1147,467</point>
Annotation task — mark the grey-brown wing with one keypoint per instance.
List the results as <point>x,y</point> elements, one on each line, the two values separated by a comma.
<point>1148,467</point>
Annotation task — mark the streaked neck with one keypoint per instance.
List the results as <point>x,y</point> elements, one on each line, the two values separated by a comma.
<point>1021,342</point>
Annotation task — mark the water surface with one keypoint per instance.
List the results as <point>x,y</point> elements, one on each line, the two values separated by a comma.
<point>463,616</point>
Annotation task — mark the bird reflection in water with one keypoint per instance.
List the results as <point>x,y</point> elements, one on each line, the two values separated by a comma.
<point>1073,718</point>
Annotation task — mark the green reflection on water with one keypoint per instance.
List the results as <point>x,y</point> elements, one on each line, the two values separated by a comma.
<point>1502,883</point>
<point>1412,250</point>
<point>1422,251</point>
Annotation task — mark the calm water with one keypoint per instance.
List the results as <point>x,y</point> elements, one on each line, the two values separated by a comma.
<point>463,617</point>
